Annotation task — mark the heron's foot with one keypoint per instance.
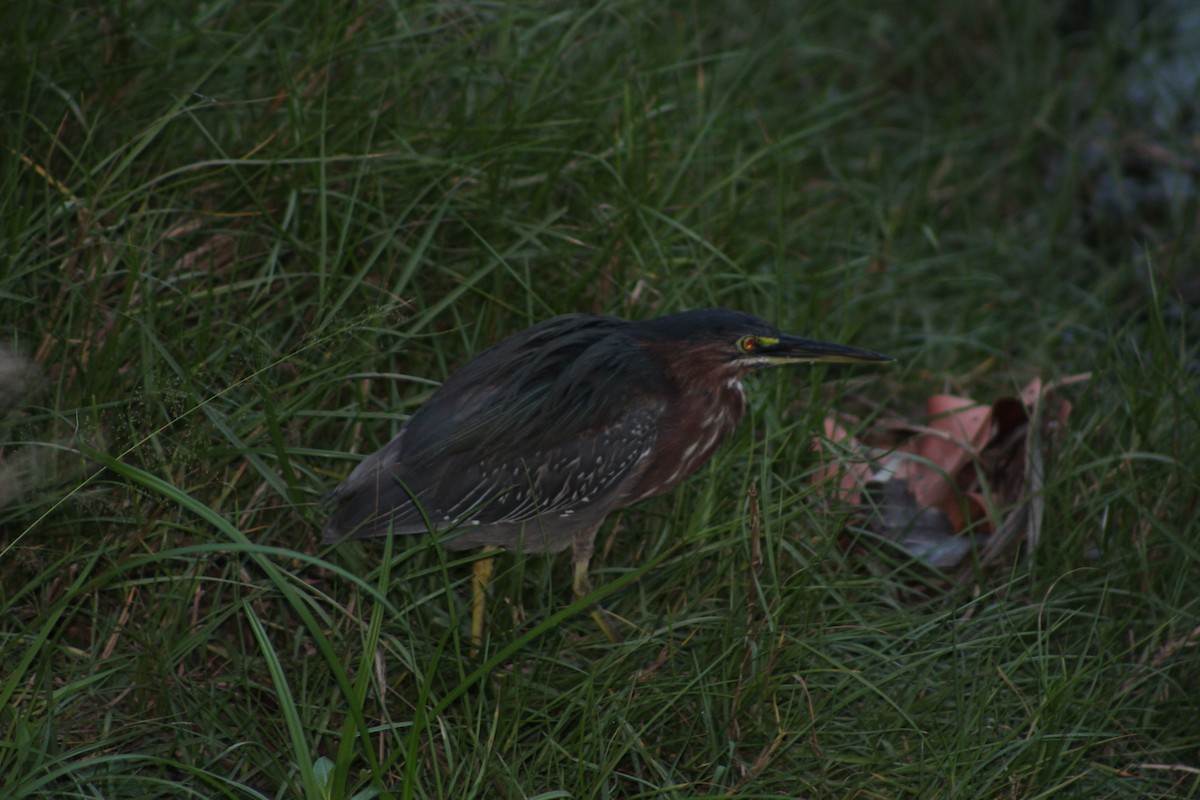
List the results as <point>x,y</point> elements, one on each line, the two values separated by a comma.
<point>604,621</point>
<point>582,587</point>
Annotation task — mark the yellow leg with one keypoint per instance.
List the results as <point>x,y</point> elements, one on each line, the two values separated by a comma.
<point>481,573</point>
<point>582,586</point>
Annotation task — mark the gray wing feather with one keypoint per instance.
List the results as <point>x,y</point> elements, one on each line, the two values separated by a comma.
<point>586,476</point>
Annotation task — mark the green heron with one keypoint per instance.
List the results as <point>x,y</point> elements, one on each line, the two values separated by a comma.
<point>534,442</point>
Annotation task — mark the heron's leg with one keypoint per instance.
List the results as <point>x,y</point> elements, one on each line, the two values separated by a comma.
<point>481,573</point>
<point>582,544</point>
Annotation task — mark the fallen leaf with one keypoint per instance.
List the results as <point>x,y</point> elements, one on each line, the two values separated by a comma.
<point>969,478</point>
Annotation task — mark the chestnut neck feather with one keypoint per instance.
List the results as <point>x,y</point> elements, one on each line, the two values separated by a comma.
<point>707,404</point>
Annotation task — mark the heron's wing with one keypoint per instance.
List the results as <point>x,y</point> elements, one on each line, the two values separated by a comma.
<point>585,476</point>
<point>567,377</point>
<point>547,422</point>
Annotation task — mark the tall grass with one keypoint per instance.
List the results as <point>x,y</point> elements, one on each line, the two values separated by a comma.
<point>241,242</point>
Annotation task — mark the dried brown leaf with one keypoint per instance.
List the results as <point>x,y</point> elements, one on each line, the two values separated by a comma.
<point>971,476</point>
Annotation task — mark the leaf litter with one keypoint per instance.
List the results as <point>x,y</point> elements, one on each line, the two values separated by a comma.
<point>963,489</point>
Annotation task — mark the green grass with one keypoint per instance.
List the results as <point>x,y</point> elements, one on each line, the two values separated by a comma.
<point>242,240</point>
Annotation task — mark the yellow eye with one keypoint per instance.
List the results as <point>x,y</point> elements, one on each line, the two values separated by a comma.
<point>747,344</point>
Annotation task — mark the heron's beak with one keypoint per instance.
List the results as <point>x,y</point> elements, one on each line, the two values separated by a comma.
<point>794,349</point>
